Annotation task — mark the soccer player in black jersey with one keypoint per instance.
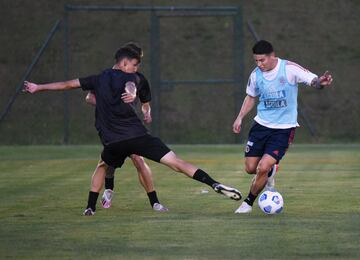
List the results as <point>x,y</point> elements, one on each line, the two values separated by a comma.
<point>144,171</point>
<point>120,130</point>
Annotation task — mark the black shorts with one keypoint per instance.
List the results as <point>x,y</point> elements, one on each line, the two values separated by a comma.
<point>147,146</point>
<point>263,140</point>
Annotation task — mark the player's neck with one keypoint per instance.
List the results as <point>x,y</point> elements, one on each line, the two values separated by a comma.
<point>274,63</point>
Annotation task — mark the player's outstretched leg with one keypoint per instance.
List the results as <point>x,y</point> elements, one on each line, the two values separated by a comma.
<point>175,163</point>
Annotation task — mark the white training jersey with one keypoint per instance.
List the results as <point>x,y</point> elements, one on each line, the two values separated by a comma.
<point>267,115</point>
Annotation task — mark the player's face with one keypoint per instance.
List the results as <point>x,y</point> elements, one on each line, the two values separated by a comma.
<point>265,62</point>
<point>131,66</point>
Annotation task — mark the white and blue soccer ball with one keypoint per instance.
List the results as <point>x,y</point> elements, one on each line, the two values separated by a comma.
<point>271,202</point>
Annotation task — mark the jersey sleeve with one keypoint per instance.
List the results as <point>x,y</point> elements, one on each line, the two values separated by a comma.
<point>251,88</point>
<point>130,78</point>
<point>144,89</point>
<point>297,74</point>
<point>89,83</point>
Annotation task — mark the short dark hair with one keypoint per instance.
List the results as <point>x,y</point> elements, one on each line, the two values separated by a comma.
<point>262,47</point>
<point>126,53</point>
<point>135,47</point>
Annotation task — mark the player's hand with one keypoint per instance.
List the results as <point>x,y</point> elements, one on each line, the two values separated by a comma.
<point>147,118</point>
<point>128,98</point>
<point>237,126</point>
<point>90,98</point>
<point>30,87</point>
<point>326,79</point>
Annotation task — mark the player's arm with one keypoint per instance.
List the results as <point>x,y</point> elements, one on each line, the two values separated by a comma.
<point>145,97</point>
<point>90,98</point>
<point>249,102</point>
<point>247,106</point>
<point>324,81</point>
<point>31,87</point>
<point>298,74</point>
<point>146,110</point>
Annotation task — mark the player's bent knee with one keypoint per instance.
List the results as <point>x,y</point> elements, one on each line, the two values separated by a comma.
<point>262,168</point>
<point>250,169</point>
<point>138,162</point>
<point>137,159</point>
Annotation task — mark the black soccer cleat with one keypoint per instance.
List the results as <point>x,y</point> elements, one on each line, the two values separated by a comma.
<point>229,192</point>
<point>89,212</point>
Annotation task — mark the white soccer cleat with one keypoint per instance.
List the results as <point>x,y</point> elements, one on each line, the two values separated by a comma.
<point>106,198</point>
<point>229,192</point>
<point>159,207</point>
<point>244,208</point>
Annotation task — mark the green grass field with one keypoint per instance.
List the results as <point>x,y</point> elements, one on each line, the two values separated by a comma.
<point>44,191</point>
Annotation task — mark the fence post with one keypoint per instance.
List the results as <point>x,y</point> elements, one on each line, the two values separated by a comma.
<point>66,77</point>
<point>29,70</point>
<point>155,70</point>
<point>238,66</point>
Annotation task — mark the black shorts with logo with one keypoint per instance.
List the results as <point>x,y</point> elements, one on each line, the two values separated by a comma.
<point>263,140</point>
<point>147,146</point>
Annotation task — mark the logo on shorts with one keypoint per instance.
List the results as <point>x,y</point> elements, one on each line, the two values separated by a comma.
<point>248,144</point>
<point>276,152</point>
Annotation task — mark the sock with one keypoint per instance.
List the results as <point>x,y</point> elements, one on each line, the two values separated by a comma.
<point>109,183</point>
<point>203,177</point>
<point>153,198</point>
<point>92,200</point>
<point>250,199</point>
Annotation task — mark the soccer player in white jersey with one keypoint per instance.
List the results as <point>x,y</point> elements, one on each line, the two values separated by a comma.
<point>275,83</point>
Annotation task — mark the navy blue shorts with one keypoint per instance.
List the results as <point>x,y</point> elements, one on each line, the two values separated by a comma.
<point>263,140</point>
<point>147,146</point>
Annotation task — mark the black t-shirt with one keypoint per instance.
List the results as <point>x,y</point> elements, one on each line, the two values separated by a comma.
<point>115,120</point>
<point>143,88</point>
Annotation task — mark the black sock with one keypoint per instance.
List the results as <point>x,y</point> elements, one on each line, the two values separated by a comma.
<point>153,198</point>
<point>109,183</point>
<point>250,199</point>
<point>203,177</point>
<point>92,200</point>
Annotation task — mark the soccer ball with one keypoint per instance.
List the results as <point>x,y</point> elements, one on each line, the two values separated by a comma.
<point>271,202</point>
